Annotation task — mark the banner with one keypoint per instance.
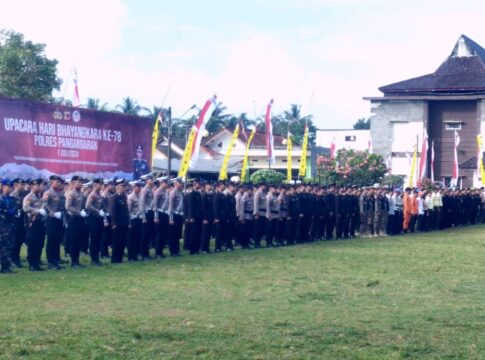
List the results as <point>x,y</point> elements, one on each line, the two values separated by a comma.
<point>246,153</point>
<point>423,159</point>
<point>223,172</point>
<point>431,170</point>
<point>185,163</point>
<point>304,147</point>
<point>289,162</point>
<point>39,140</point>
<point>480,168</point>
<point>155,137</point>
<point>204,116</point>
<point>413,167</point>
<point>455,175</point>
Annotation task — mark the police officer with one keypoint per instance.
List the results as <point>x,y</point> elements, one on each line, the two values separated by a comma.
<point>207,218</point>
<point>107,193</point>
<point>140,165</point>
<point>220,213</point>
<point>74,208</point>
<point>120,221</point>
<point>33,208</point>
<point>272,215</point>
<point>19,193</point>
<point>194,216</point>
<point>147,197</point>
<point>259,213</point>
<point>8,210</point>
<point>176,217</point>
<point>246,217</point>
<point>136,218</point>
<point>230,205</point>
<point>161,216</point>
<point>53,204</point>
<point>96,215</point>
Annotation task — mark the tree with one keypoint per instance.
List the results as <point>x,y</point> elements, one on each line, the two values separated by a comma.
<point>269,176</point>
<point>362,124</point>
<point>218,120</point>
<point>358,168</point>
<point>25,71</point>
<point>94,104</point>
<point>130,106</point>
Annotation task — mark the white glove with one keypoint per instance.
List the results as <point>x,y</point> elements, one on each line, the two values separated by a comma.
<point>42,212</point>
<point>83,213</point>
<point>102,213</point>
<point>58,215</point>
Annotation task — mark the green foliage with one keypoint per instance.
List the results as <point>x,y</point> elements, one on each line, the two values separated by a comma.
<point>393,180</point>
<point>358,168</point>
<point>95,104</point>
<point>362,124</point>
<point>130,106</point>
<point>269,176</point>
<point>25,71</point>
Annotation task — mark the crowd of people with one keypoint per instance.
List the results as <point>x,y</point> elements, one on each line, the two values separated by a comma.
<point>142,220</point>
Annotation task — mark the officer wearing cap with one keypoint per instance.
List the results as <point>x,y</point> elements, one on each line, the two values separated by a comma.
<point>220,213</point>
<point>8,210</point>
<point>259,213</point>
<point>175,216</point>
<point>96,215</point>
<point>107,239</point>
<point>120,221</point>
<point>207,217</point>
<point>194,216</point>
<point>136,218</point>
<point>246,217</point>
<point>140,165</point>
<point>161,216</point>
<point>19,193</point>
<point>34,210</point>
<point>74,208</point>
<point>147,206</point>
<point>54,206</point>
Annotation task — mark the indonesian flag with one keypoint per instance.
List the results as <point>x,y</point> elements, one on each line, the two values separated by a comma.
<point>332,149</point>
<point>199,127</point>
<point>269,134</point>
<point>455,174</point>
<point>432,162</point>
<point>75,98</point>
<point>424,158</point>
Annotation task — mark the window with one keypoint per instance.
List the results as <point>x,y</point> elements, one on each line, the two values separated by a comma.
<point>350,138</point>
<point>453,125</point>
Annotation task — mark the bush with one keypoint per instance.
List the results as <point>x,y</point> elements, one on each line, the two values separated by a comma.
<point>267,176</point>
<point>393,180</point>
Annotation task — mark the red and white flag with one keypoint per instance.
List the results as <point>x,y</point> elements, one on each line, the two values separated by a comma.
<point>269,134</point>
<point>199,127</point>
<point>431,170</point>
<point>423,159</point>
<point>455,174</point>
<point>332,149</point>
<point>75,97</point>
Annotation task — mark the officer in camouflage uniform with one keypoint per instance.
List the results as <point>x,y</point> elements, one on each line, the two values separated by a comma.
<point>8,210</point>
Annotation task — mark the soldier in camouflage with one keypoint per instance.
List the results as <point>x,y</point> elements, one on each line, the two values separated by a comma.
<point>8,210</point>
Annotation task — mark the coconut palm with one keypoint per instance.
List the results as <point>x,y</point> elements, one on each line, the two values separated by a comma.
<point>95,104</point>
<point>218,119</point>
<point>130,106</point>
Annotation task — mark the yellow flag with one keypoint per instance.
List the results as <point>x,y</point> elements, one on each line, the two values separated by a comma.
<point>184,166</point>
<point>154,140</point>
<point>304,147</point>
<point>223,172</point>
<point>413,167</point>
<point>289,165</point>
<point>481,169</point>
<point>246,153</point>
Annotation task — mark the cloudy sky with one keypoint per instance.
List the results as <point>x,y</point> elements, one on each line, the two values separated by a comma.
<point>322,54</point>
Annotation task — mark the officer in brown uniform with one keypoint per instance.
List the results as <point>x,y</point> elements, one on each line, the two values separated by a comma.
<point>96,215</point>
<point>34,210</point>
<point>147,197</point>
<point>176,217</point>
<point>136,219</point>
<point>107,239</point>
<point>161,216</point>
<point>54,206</point>
<point>74,202</point>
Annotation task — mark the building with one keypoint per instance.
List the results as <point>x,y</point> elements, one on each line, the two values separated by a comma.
<point>214,147</point>
<point>448,100</point>
<point>349,139</point>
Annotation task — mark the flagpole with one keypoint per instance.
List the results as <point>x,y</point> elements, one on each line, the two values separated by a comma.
<point>169,115</point>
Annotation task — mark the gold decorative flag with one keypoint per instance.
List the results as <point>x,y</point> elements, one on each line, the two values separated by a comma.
<point>155,139</point>
<point>289,164</point>
<point>413,167</point>
<point>246,155</point>
<point>184,166</point>
<point>480,168</point>
<point>304,147</point>
<point>223,172</point>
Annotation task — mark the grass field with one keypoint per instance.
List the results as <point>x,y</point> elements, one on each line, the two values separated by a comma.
<point>382,298</point>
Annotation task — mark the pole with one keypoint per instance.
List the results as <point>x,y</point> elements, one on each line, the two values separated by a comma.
<point>169,115</point>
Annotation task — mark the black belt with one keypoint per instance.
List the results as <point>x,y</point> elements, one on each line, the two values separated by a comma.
<point>262,209</point>
<point>274,212</point>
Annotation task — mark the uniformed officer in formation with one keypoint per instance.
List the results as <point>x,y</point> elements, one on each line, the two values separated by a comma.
<point>102,215</point>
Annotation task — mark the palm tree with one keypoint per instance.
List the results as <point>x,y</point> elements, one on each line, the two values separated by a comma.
<point>295,123</point>
<point>130,106</point>
<point>94,104</point>
<point>218,119</point>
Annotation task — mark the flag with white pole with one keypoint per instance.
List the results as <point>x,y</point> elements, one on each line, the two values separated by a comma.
<point>269,134</point>
<point>75,98</point>
<point>423,159</point>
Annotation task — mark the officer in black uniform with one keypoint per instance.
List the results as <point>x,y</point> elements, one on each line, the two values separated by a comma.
<point>19,193</point>
<point>140,165</point>
<point>330,201</point>
<point>220,215</point>
<point>120,221</point>
<point>194,207</point>
<point>207,218</point>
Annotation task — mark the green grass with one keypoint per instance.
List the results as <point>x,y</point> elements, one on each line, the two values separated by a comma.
<point>407,297</point>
